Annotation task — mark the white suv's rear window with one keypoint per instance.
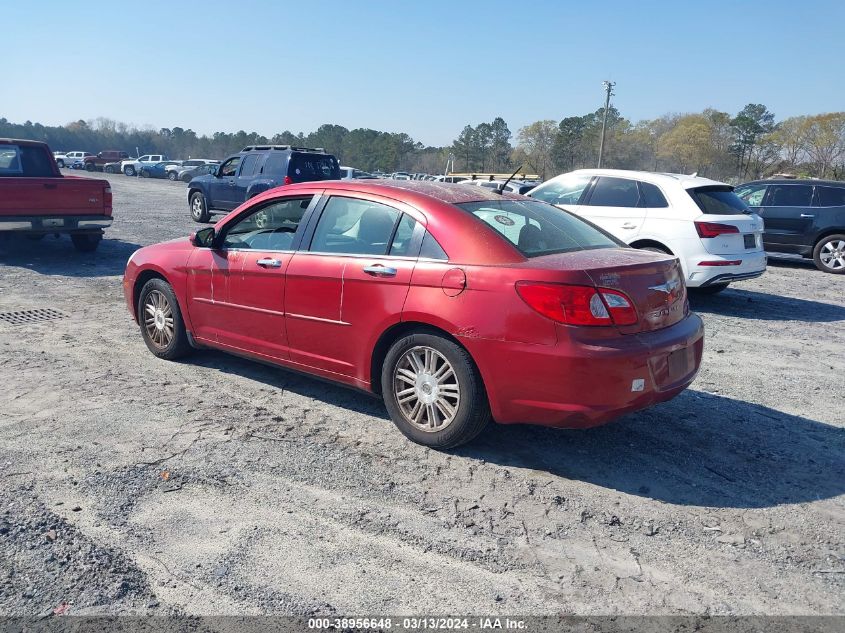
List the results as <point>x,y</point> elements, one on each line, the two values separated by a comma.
<point>718,200</point>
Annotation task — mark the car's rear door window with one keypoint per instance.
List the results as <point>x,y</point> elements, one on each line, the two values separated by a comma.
<point>831,196</point>
<point>248,165</point>
<point>536,228</point>
<point>614,192</point>
<point>790,196</point>
<point>354,226</point>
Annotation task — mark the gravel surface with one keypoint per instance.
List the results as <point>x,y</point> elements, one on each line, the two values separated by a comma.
<point>221,486</point>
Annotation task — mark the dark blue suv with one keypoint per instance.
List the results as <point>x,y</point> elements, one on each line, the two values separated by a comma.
<point>253,170</point>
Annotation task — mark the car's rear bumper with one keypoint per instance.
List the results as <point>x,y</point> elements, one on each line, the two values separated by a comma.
<point>719,269</point>
<point>589,377</point>
<point>55,223</point>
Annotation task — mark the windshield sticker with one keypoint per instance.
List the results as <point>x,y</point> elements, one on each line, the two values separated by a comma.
<point>503,219</point>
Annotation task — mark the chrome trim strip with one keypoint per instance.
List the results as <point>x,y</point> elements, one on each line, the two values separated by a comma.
<point>226,304</point>
<point>313,318</point>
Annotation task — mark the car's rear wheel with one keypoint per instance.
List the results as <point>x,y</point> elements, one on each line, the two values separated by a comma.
<point>829,254</point>
<point>172,175</point>
<point>90,167</point>
<point>709,290</point>
<point>108,169</point>
<point>129,170</point>
<point>433,391</point>
<point>199,208</point>
<point>60,163</point>
<point>161,321</point>
<point>86,242</point>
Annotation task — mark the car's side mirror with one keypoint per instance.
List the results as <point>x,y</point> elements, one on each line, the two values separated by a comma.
<point>203,237</point>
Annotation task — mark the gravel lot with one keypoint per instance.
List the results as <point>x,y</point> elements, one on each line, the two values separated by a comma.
<point>221,486</point>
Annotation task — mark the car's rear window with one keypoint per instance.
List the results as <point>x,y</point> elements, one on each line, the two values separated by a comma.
<point>308,167</point>
<point>25,160</point>
<point>718,200</point>
<point>537,228</point>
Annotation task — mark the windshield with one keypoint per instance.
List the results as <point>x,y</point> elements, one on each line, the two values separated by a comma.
<point>536,228</point>
<point>718,200</point>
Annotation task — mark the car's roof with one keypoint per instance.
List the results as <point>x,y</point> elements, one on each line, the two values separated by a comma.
<point>443,191</point>
<point>795,181</point>
<point>686,181</point>
<point>21,141</point>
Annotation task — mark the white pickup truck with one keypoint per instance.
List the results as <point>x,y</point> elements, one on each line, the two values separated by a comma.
<point>132,166</point>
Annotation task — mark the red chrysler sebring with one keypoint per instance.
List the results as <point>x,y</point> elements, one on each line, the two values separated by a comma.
<point>454,303</point>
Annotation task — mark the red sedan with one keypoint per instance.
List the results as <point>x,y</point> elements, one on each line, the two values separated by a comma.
<point>454,303</point>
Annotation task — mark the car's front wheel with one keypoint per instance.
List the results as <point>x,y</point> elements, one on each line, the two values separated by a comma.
<point>433,391</point>
<point>129,170</point>
<point>199,208</point>
<point>161,321</point>
<point>829,254</point>
<point>172,175</point>
<point>86,242</point>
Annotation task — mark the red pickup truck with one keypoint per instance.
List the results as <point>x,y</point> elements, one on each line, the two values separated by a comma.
<point>36,200</point>
<point>95,163</point>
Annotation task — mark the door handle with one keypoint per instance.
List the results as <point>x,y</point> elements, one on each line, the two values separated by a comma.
<point>379,270</point>
<point>629,225</point>
<point>807,215</point>
<point>269,263</point>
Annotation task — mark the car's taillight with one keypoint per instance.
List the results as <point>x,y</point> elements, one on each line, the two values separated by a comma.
<point>288,180</point>
<point>107,199</point>
<point>578,305</point>
<point>713,229</point>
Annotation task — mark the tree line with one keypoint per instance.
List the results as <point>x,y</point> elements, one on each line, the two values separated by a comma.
<point>750,144</point>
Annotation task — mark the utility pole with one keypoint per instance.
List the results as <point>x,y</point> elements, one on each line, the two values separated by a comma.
<point>608,88</point>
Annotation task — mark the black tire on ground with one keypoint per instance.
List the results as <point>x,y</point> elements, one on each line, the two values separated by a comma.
<point>654,249</point>
<point>144,173</point>
<point>199,208</point>
<point>185,178</point>
<point>90,167</point>
<point>60,163</point>
<point>472,412</point>
<point>157,304</point>
<point>108,169</point>
<point>86,242</point>
<point>172,175</point>
<point>129,170</point>
<point>829,254</point>
<point>709,290</point>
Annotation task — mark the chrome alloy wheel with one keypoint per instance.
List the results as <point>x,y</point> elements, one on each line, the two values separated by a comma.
<point>832,255</point>
<point>426,389</point>
<point>158,319</point>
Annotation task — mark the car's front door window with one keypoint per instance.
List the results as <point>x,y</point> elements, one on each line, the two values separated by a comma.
<point>752,195</point>
<point>269,228</point>
<point>230,167</point>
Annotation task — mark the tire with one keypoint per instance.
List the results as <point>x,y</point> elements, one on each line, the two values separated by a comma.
<point>199,208</point>
<point>709,290</point>
<point>90,167</point>
<point>108,169</point>
<point>129,170</point>
<point>172,176</point>
<point>60,163</point>
<point>829,254</point>
<point>186,179</point>
<point>160,319</point>
<point>86,242</point>
<point>144,173</point>
<point>465,410</point>
<point>654,249</point>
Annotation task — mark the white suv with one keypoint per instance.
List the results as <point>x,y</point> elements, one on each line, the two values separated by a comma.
<point>702,222</point>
